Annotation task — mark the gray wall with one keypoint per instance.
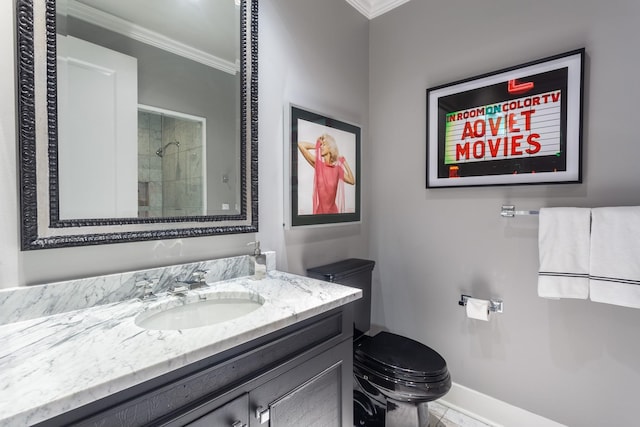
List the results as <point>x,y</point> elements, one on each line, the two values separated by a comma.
<point>9,253</point>
<point>314,54</point>
<point>576,362</point>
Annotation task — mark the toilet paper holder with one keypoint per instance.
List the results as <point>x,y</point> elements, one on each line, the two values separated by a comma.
<point>495,305</point>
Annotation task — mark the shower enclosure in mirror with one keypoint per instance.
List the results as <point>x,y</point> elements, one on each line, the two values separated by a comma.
<point>136,125</point>
<point>171,178</point>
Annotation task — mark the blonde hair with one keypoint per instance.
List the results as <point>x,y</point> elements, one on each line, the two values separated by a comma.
<point>333,147</point>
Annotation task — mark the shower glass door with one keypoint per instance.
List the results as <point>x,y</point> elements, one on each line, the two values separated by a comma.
<point>171,172</point>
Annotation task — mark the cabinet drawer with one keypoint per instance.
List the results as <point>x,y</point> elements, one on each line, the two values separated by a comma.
<point>233,414</point>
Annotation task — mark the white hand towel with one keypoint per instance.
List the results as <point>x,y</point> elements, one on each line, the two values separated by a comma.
<point>563,244</point>
<point>615,256</point>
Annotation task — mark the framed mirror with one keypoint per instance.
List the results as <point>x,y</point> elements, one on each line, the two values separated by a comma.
<point>136,125</point>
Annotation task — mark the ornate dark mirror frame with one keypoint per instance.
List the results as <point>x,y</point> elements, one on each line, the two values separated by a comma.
<point>37,146</point>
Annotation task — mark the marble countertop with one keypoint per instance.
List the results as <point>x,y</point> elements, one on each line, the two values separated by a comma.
<point>53,364</point>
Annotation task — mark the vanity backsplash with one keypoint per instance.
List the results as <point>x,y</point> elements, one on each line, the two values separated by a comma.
<point>30,302</point>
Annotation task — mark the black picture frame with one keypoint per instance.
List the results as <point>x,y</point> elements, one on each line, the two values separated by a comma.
<point>306,206</point>
<point>519,125</point>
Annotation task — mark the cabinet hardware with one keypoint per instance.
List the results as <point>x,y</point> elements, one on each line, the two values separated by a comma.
<point>262,414</point>
<point>239,424</point>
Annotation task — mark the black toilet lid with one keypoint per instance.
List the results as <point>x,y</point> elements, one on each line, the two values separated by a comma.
<point>401,354</point>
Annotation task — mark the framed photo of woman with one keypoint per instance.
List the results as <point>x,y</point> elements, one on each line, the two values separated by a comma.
<point>324,180</point>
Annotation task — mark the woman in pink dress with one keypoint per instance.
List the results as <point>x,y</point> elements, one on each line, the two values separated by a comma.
<point>330,172</point>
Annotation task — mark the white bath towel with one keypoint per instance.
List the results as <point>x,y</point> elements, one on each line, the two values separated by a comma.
<point>563,245</point>
<point>615,256</point>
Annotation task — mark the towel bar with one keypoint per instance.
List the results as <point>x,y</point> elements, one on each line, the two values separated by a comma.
<point>509,211</point>
<point>495,305</point>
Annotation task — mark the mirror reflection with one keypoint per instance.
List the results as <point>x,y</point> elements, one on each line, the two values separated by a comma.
<point>148,108</point>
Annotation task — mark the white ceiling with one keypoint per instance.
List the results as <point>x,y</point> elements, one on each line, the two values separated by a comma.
<point>204,31</point>
<point>199,30</point>
<point>373,8</point>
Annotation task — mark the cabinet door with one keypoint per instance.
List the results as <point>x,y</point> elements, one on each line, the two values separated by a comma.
<point>233,414</point>
<point>314,403</point>
<point>316,393</point>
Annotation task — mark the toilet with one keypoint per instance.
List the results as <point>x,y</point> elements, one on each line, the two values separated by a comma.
<point>394,377</point>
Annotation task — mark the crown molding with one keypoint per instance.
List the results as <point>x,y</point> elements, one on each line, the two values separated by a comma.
<point>144,35</point>
<point>374,8</point>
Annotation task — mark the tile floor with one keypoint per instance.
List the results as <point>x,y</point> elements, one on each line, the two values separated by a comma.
<point>442,416</point>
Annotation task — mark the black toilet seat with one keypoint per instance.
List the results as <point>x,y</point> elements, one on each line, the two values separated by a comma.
<point>396,353</point>
<point>402,368</point>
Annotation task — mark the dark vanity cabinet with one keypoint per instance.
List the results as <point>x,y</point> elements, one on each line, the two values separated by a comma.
<point>310,394</point>
<point>297,376</point>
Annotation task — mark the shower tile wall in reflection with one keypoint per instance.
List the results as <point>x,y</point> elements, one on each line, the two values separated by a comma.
<point>170,166</point>
<point>182,168</point>
<point>149,165</point>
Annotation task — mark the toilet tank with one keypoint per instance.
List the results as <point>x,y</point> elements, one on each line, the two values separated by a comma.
<point>356,273</point>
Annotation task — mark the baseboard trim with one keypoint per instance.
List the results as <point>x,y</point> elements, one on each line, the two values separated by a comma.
<point>492,411</point>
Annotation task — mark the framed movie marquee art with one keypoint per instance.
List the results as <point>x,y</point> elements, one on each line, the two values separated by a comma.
<point>521,125</point>
<point>324,181</point>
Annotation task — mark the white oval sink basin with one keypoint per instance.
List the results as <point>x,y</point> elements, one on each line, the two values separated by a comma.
<point>194,313</point>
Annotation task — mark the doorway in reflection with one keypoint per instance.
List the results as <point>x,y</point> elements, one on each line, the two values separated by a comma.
<point>171,176</point>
